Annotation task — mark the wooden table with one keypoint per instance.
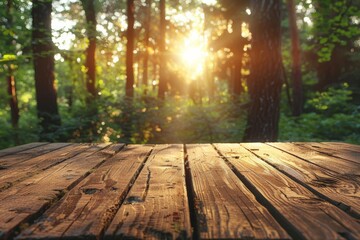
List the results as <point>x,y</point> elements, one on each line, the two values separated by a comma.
<point>250,190</point>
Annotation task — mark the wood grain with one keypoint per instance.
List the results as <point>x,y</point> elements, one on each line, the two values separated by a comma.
<point>25,200</point>
<point>12,150</point>
<point>341,166</point>
<point>345,146</point>
<point>19,157</point>
<point>341,190</point>
<point>87,209</point>
<point>156,206</point>
<point>225,207</point>
<point>334,150</point>
<point>57,153</point>
<point>302,213</point>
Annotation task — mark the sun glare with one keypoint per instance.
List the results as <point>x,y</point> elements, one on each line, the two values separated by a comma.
<point>193,54</point>
<point>209,2</point>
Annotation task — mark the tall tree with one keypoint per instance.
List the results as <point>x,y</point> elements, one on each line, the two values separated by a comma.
<point>162,47</point>
<point>130,49</point>
<point>297,103</point>
<point>10,77</point>
<point>146,44</point>
<point>90,15</point>
<point>43,57</point>
<point>265,71</point>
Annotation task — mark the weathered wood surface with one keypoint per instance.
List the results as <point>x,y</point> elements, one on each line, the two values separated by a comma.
<point>199,191</point>
<point>21,148</point>
<point>156,206</point>
<point>225,208</point>
<point>339,189</point>
<point>336,150</point>
<point>302,212</point>
<point>53,154</point>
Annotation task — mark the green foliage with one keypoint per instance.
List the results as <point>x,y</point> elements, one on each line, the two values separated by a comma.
<point>334,25</point>
<point>330,117</point>
<point>332,101</point>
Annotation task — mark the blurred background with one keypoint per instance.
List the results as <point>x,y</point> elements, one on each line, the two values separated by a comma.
<point>179,71</point>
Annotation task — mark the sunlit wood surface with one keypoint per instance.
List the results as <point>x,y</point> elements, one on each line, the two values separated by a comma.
<point>175,191</point>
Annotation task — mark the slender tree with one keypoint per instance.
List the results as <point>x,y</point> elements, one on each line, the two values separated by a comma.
<point>238,50</point>
<point>162,46</point>
<point>130,49</point>
<point>10,77</point>
<point>265,71</point>
<point>146,44</point>
<point>296,61</point>
<point>90,64</point>
<point>43,57</point>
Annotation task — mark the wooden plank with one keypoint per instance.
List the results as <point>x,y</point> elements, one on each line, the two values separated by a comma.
<point>225,208</point>
<point>17,172</point>
<point>333,150</point>
<point>339,189</point>
<point>19,157</point>
<point>87,209</point>
<point>301,212</point>
<point>25,200</point>
<point>156,206</point>
<point>12,150</point>
<point>341,166</point>
<point>347,146</point>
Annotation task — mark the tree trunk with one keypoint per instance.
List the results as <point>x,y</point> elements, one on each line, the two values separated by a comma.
<point>146,45</point>
<point>14,108</point>
<point>329,72</point>
<point>238,50</point>
<point>265,71</point>
<point>130,49</point>
<point>297,106</point>
<point>90,14</point>
<point>13,99</point>
<point>43,57</point>
<point>162,42</point>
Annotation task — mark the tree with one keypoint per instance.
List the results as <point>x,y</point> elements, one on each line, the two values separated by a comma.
<point>235,12</point>
<point>10,78</point>
<point>43,58</point>
<point>297,103</point>
<point>146,44</point>
<point>90,15</point>
<point>130,49</point>
<point>335,34</point>
<point>265,71</point>
<point>162,48</point>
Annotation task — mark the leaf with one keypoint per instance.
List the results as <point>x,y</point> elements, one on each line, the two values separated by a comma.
<point>8,58</point>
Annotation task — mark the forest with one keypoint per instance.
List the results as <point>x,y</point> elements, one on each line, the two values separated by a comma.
<point>179,71</point>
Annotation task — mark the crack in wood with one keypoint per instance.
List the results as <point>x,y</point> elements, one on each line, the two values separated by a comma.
<point>147,184</point>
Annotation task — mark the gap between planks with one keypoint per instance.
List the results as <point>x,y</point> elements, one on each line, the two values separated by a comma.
<point>63,176</point>
<point>304,209</point>
<point>191,198</point>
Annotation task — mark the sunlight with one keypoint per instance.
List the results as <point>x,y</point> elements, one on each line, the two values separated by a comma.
<point>62,37</point>
<point>209,2</point>
<point>193,54</point>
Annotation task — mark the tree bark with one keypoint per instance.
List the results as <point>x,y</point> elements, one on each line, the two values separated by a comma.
<point>13,99</point>
<point>14,108</point>
<point>238,50</point>
<point>162,46</point>
<point>130,49</point>
<point>265,71</point>
<point>298,100</point>
<point>146,44</point>
<point>43,57</point>
<point>90,64</point>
